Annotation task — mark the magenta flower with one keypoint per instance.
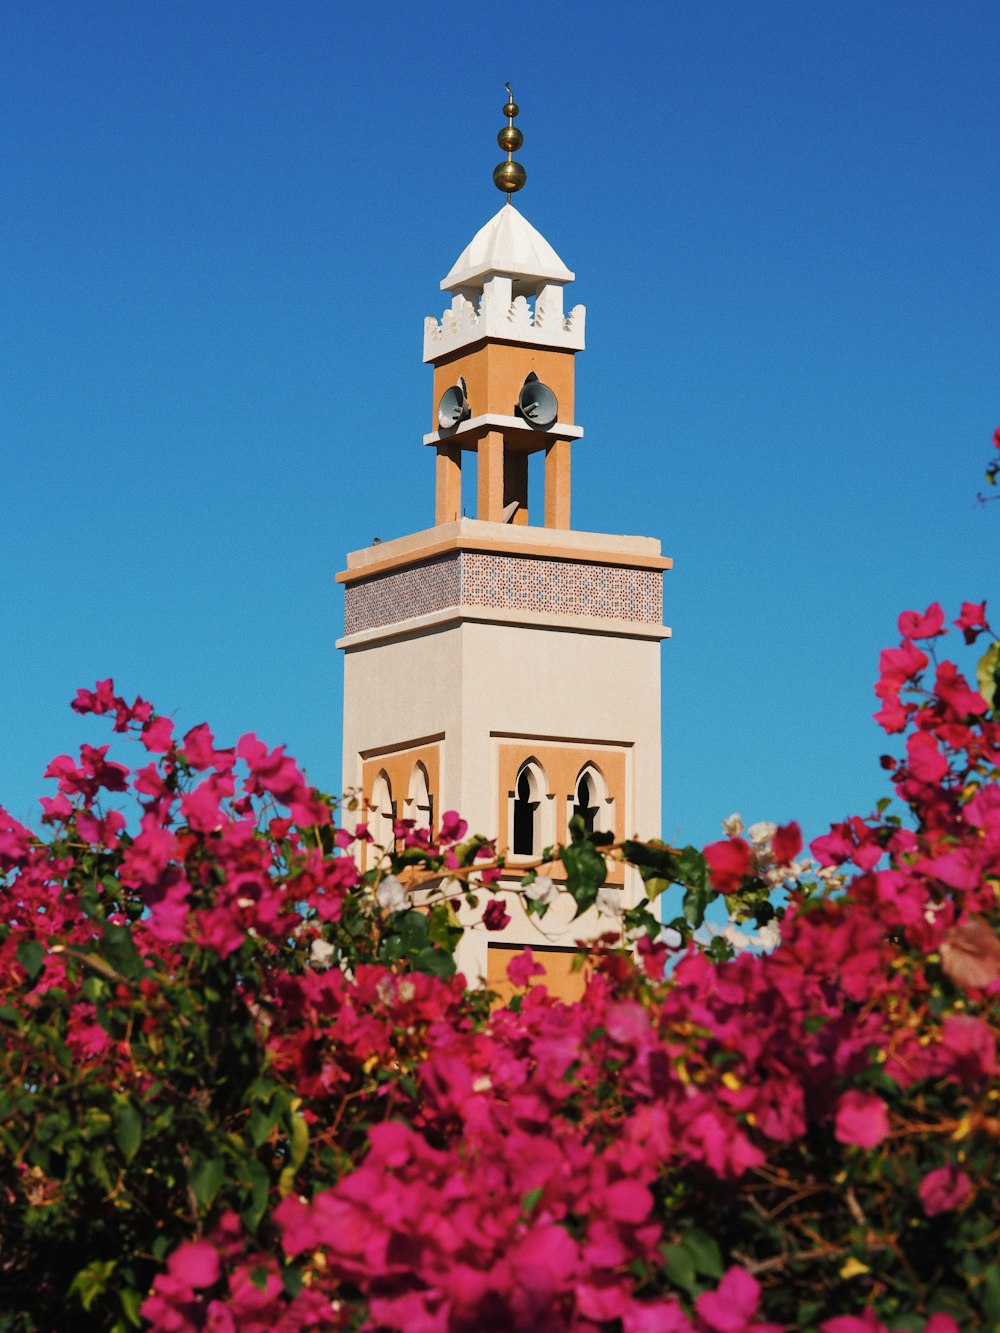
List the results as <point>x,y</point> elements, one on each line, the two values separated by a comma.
<point>944,1190</point>
<point>496,916</point>
<point>862,1119</point>
<point>731,1306</point>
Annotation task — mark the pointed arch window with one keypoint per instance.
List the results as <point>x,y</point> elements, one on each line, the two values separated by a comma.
<point>528,810</point>
<point>585,803</point>
<point>591,800</point>
<point>382,818</point>
<point>419,799</point>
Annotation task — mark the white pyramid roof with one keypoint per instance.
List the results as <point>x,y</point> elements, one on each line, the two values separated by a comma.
<point>508,244</point>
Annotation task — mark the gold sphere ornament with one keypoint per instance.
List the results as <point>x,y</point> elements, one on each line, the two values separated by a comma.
<point>511,109</point>
<point>509,176</point>
<point>510,138</point>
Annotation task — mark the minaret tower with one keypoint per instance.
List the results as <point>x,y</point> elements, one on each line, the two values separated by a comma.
<point>506,666</point>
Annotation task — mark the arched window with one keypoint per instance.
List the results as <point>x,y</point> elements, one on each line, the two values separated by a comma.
<point>382,816</point>
<point>585,803</point>
<point>419,801</point>
<point>528,813</point>
<point>590,800</point>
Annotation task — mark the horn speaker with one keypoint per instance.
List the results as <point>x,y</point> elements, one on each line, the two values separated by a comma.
<point>537,404</point>
<point>454,405</point>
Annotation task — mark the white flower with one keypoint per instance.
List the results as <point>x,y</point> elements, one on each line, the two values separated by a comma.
<point>672,938</point>
<point>542,890</point>
<point>733,826</point>
<point>761,833</point>
<point>608,901</point>
<point>736,937</point>
<point>390,894</point>
<point>769,935</point>
<point>321,953</point>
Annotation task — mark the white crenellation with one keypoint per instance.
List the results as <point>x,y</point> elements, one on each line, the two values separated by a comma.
<point>533,319</point>
<point>549,306</point>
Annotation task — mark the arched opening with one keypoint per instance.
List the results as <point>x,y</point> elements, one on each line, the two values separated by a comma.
<point>382,815</point>
<point>590,800</point>
<point>419,800</point>
<point>585,804</point>
<point>527,810</point>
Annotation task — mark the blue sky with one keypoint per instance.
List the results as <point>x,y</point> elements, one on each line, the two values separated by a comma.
<point>224,224</point>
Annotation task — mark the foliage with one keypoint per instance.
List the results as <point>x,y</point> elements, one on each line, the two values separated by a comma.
<point>243,1088</point>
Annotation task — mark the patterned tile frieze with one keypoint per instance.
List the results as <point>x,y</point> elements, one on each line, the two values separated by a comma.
<point>506,582</point>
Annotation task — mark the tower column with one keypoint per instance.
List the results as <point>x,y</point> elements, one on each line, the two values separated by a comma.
<point>448,484</point>
<point>557,484</point>
<point>490,479</point>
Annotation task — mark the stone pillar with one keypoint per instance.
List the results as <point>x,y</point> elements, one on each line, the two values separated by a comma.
<point>490,479</point>
<point>557,484</point>
<point>448,484</point>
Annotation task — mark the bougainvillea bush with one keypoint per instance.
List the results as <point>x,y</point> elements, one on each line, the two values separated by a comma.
<point>243,1088</point>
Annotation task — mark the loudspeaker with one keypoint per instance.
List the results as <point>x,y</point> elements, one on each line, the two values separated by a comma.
<point>454,405</point>
<point>537,404</point>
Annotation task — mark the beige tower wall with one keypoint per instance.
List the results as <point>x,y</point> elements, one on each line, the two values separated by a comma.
<point>480,687</point>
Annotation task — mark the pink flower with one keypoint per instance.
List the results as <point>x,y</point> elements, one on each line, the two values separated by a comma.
<point>195,1263</point>
<point>522,967</point>
<point>849,1323</point>
<point>730,1308</point>
<point>452,829</point>
<point>496,916</point>
<point>101,699</point>
<point>944,1190</point>
<point>200,751</point>
<point>627,1201</point>
<point>728,861</point>
<point>893,716</point>
<point>786,843</point>
<point>898,665</point>
<point>912,625</point>
<point>861,1119</point>
<point>157,734</point>
<point>923,758</point>
<point>972,621</point>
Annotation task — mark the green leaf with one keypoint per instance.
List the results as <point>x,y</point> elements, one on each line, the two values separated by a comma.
<point>434,962</point>
<point>443,927</point>
<point>130,1301</point>
<point>655,885</point>
<point>693,907</point>
<point>120,951</point>
<point>530,1199</point>
<point>693,868</point>
<point>206,1179</point>
<point>655,856</point>
<point>31,955</point>
<point>680,1268</point>
<point>128,1130</point>
<point>987,678</point>
<point>990,1289</point>
<point>260,1190</point>
<point>92,1281</point>
<point>705,1253</point>
<point>586,870</point>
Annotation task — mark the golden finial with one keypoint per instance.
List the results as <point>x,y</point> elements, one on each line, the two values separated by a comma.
<point>509,176</point>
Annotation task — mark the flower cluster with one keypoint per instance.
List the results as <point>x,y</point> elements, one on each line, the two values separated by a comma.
<point>243,1088</point>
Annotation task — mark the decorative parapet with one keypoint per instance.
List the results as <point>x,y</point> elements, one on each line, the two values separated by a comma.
<point>537,320</point>
<point>475,579</point>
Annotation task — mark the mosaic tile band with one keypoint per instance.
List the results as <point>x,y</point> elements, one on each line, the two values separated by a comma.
<point>508,583</point>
